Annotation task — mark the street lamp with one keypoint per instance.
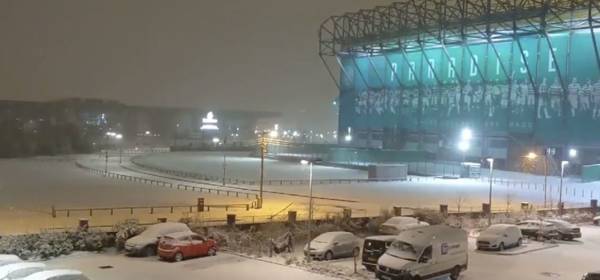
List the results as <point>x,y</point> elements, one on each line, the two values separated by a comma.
<point>491,161</point>
<point>466,134</point>
<point>348,138</point>
<point>562,174</point>
<point>463,146</point>
<point>310,201</point>
<point>533,156</point>
<point>572,153</point>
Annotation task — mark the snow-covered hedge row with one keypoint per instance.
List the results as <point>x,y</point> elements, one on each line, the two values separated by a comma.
<point>49,245</point>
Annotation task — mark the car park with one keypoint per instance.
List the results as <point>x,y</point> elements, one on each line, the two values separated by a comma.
<point>591,276</point>
<point>146,243</point>
<point>20,270</point>
<point>373,248</point>
<point>538,229</point>
<point>566,230</point>
<point>57,274</point>
<point>332,245</point>
<point>183,245</point>
<point>499,237</point>
<point>396,225</point>
<point>425,253</point>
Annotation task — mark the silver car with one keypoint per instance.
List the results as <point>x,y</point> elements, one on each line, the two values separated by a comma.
<point>332,245</point>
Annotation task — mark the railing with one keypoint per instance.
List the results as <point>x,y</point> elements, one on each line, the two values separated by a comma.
<point>148,209</point>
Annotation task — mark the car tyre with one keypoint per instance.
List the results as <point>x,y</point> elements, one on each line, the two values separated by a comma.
<point>455,273</point>
<point>149,250</point>
<point>370,268</point>
<point>501,246</point>
<point>328,256</point>
<point>212,251</point>
<point>178,257</point>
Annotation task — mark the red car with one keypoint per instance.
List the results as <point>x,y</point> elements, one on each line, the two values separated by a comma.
<point>183,245</point>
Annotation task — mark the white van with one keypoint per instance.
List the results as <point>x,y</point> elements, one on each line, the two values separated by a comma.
<point>425,253</point>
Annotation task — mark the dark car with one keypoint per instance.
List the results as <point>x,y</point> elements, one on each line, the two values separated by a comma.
<point>373,248</point>
<point>566,230</point>
<point>591,276</point>
<point>538,229</point>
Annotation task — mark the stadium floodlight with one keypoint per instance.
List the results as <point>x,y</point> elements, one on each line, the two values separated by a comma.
<point>572,153</point>
<point>531,156</point>
<point>463,146</point>
<point>466,134</point>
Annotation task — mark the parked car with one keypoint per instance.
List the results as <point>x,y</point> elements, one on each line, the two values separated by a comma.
<point>8,259</point>
<point>373,248</point>
<point>425,253</point>
<point>146,243</point>
<point>183,245</point>
<point>396,225</point>
<point>20,270</point>
<point>566,230</point>
<point>332,245</point>
<point>537,229</point>
<point>499,237</point>
<point>597,220</point>
<point>57,274</point>
<point>591,276</point>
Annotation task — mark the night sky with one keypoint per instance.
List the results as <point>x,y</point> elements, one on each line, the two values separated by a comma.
<point>219,54</point>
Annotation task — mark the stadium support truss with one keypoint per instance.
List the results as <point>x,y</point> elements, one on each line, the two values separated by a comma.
<point>420,24</point>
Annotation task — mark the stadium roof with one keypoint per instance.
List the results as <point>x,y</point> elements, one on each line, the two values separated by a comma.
<point>416,23</point>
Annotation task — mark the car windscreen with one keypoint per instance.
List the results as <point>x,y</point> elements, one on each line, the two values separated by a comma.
<point>402,250</point>
<point>374,245</point>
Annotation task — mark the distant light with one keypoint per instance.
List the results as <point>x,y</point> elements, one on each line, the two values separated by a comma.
<point>531,155</point>
<point>572,153</point>
<point>216,140</point>
<point>295,133</point>
<point>276,126</point>
<point>304,162</point>
<point>348,138</point>
<point>147,132</point>
<point>466,134</point>
<point>119,136</point>
<point>463,146</point>
<point>273,134</point>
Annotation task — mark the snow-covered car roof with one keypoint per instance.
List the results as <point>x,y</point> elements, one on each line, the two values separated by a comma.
<point>47,274</point>
<point>165,228</point>
<point>501,226</point>
<point>180,234</point>
<point>5,270</point>
<point>382,237</point>
<point>536,222</point>
<point>328,236</point>
<point>401,220</point>
<point>597,218</point>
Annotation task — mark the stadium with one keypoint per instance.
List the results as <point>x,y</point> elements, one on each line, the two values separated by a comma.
<point>519,76</point>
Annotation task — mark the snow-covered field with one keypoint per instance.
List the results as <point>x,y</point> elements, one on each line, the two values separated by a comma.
<point>568,260</point>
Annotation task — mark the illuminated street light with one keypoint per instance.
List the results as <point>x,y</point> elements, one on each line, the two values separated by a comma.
<point>216,140</point>
<point>348,138</point>
<point>463,146</point>
<point>531,156</point>
<point>119,136</point>
<point>273,134</point>
<point>491,161</point>
<point>572,153</point>
<point>466,134</point>
<point>310,201</point>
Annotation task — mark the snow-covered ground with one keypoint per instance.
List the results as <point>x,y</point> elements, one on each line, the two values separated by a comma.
<point>223,266</point>
<point>568,260</point>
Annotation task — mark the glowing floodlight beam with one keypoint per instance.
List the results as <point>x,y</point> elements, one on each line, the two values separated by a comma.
<point>463,146</point>
<point>466,134</point>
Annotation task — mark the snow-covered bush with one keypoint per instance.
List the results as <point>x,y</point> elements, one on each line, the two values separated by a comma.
<point>88,240</point>
<point>125,230</point>
<point>51,244</point>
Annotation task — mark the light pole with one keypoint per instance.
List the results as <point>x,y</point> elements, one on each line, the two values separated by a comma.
<point>119,137</point>
<point>533,156</point>
<point>310,201</point>
<point>491,161</point>
<point>224,166</point>
<point>562,174</point>
<point>466,135</point>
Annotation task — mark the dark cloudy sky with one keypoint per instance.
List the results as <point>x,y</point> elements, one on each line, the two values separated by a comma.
<point>230,54</point>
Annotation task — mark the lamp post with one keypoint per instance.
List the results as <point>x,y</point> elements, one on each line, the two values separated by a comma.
<point>533,156</point>
<point>562,174</point>
<point>310,202</point>
<point>491,161</point>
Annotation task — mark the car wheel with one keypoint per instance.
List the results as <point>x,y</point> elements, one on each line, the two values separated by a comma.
<point>455,273</point>
<point>178,257</point>
<point>501,247</point>
<point>370,268</point>
<point>150,250</point>
<point>597,222</point>
<point>520,242</point>
<point>212,251</point>
<point>328,256</point>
